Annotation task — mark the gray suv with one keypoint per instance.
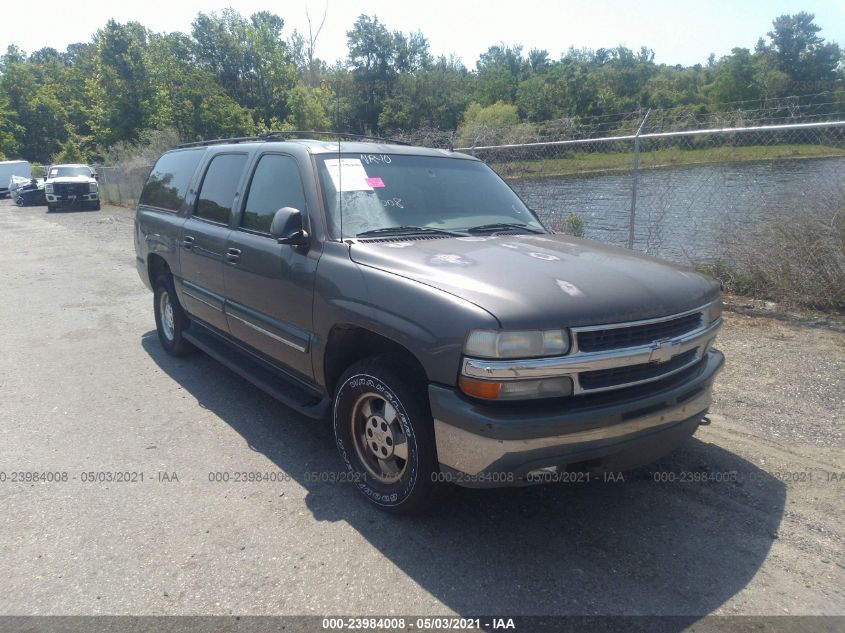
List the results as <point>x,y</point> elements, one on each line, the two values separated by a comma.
<point>412,297</point>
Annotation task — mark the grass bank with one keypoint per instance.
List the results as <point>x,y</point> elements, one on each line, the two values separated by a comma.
<point>588,162</point>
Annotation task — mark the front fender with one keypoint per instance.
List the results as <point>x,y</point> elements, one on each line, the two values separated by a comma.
<point>428,322</point>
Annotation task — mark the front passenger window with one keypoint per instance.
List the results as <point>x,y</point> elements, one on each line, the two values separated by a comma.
<point>275,184</point>
<point>217,193</point>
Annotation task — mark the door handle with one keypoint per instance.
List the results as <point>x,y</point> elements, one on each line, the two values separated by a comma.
<point>233,255</point>
<point>188,242</point>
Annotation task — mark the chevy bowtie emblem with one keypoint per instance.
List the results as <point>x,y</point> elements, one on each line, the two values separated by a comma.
<point>661,351</point>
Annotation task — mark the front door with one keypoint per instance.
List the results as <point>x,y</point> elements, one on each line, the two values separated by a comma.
<point>204,236</point>
<point>269,286</point>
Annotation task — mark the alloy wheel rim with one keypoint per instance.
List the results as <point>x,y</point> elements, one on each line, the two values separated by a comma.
<point>168,324</point>
<point>380,442</point>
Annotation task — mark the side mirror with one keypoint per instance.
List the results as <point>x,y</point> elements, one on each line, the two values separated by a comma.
<point>287,228</point>
<point>96,176</point>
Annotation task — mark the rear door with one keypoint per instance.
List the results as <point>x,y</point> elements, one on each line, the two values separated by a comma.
<point>204,237</point>
<point>161,208</point>
<point>269,286</point>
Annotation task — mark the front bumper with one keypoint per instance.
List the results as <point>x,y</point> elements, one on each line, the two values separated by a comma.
<point>605,431</point>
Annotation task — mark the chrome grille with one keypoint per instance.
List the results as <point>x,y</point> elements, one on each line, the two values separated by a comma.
<point>614,356</point>
<point>70,188</point>
<point>604,378</point>
<point>619,337</point>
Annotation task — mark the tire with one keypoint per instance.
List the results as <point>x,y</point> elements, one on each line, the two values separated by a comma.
<point>374,394</point>
<point>50,208</point>
<point>171,320</point>
<point>96,206</point>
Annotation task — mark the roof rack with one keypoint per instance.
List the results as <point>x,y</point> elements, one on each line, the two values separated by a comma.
<point>219,141</point>
<point>281,135</point>
<point>276,134</point>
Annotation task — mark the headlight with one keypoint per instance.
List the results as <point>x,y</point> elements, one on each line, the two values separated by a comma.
<point>92,187</point>
<point>516,344</point>
<point>714,311</point>
<point>516,389</point>
<point>48,188</point>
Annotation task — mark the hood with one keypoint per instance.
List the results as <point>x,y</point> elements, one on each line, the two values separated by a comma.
<point>544,280</point>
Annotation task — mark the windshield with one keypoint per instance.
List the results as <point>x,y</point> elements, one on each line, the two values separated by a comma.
<point>380,191</point>
<point>64,172</point>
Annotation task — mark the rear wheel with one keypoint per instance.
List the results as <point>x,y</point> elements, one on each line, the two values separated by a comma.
<point>385,435</point>
<point>171,320</point>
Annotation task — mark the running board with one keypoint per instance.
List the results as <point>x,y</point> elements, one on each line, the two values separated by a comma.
<point>275,382</point>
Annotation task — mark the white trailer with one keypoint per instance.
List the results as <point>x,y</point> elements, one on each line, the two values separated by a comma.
<point>9,168</point>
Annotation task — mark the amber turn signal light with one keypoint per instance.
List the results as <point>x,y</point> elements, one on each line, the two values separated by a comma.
<point>480,388</point>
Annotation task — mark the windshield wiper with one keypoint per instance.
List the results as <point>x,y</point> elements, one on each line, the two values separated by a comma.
<point>501,226</point>
<point>407,230</point>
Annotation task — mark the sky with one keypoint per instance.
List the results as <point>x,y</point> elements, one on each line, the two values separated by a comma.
<point>679,31</point>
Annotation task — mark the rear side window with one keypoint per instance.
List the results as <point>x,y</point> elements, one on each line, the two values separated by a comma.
<point>169,179</point>
<point>217,193</point>
<point>275,184</point>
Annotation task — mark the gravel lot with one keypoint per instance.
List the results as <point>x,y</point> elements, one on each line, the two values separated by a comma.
<point>86,389</point>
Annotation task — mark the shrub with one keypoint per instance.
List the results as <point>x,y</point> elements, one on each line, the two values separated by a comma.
<point>69,152</point>
<point>571,224</point>
<point>145,151</point>
<point>794,256</point>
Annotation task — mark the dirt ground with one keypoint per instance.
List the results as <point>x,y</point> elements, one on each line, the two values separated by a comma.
<point>746,518</point>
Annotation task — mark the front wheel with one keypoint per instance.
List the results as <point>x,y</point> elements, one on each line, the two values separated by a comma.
<point>171,320</point>
<point>385,435</point>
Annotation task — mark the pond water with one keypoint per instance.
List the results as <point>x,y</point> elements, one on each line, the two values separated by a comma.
<point>685,213</point>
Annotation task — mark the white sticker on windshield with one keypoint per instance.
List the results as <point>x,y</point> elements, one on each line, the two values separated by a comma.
<point>348,174</point>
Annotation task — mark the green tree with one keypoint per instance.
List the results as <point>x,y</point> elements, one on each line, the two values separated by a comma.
<point>37,115</point>
<point>10,131</point>
<point>734,78</point>
<point>235,75</point>
<point>124,76</point>
<point>484,125</point>
<point>434,97</point>
<point>69,152</point>
<point>499,70</point>
<point>249,59</point>
<point>187,97</point>
<point>372,53</point>
<point>534,100</point>
<point>769,78</point>
<point>308,108</point>
<point>799,50</point>
<point>411,52</point>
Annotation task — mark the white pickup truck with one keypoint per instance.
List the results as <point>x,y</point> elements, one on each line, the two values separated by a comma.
<point>71,186</point>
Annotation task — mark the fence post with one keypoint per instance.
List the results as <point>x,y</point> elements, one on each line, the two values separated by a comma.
<point>634,176</point>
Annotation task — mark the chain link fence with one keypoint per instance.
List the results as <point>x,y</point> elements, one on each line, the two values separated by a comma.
<point>763,207</point>
<point>121,184</point>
